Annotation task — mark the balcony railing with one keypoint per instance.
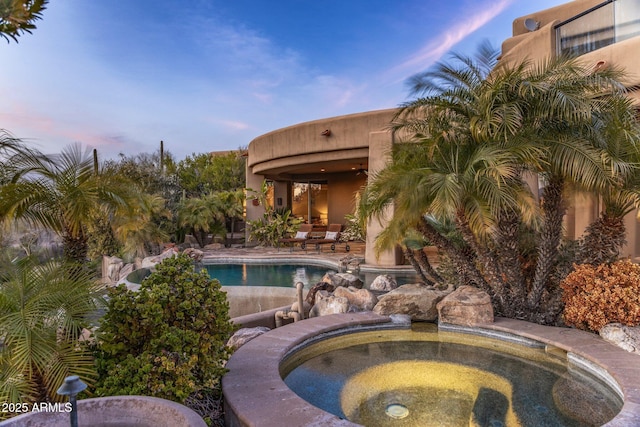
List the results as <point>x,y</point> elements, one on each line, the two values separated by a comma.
<point>607,23</point>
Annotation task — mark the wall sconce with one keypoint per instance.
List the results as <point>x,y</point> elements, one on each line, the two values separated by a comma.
<point>326,132</point>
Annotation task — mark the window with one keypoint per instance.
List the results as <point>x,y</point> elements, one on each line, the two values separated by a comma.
<point>605,24</point>
<point>310,201</point>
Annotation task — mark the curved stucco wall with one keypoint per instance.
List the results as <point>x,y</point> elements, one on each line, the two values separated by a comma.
<point>302,144</point>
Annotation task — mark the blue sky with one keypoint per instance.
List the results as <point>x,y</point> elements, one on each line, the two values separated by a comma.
<point>208,75</point>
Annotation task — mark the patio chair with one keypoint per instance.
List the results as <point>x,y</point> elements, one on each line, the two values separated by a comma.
<point>301,237</point>
<point>331,237</point>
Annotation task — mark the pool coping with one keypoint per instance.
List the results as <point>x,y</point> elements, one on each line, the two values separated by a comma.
<point>256,395</point>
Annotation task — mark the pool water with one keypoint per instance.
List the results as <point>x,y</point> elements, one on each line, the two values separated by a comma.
<point>286,275</point>
<point>426,378</point>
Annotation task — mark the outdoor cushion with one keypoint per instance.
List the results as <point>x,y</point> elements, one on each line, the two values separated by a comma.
<point>331,235</point>
<point>301,235</point>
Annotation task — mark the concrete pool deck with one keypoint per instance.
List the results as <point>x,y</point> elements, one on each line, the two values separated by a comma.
<point>256,395</point>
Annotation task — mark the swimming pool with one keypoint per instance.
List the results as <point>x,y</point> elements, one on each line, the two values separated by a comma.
<point>285,274</point>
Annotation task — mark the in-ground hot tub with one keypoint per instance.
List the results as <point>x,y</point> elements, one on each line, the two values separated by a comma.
<point>425,377</point>
<point>256,394</point>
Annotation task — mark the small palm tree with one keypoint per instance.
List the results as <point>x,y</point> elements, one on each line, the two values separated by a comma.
<point>43,310</point>
<point>201,216</point>
<point>137,227</point>
<point>232,205</point>
<point>63,193</point>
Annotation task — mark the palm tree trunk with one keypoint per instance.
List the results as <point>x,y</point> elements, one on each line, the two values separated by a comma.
<point>553,211</point>
<point>464,264</point>
<point>409,254</point>
<point>487,260</point>
<point>603,240</point>
<point>75,248</point>
<point>424,262</point>
<point>508,257</point>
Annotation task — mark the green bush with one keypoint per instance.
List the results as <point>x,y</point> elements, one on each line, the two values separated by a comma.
<point>168,339</point>
<point>273,226</point>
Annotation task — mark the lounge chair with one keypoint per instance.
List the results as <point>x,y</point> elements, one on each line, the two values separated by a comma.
<point>301,237</point>
<point>331,237</point>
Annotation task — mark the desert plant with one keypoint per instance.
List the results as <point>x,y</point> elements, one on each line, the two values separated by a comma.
<point>43,310</point>
<point>597,295</point>
<point>168,339</point>
<point>356,222</point>
<point>273,226</point>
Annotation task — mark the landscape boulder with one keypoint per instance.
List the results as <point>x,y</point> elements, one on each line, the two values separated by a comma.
<point>343,279</point>
<point>328,304</point>
<point>417,300</point>
<point>359,299</point>
<point>111,267</point>
<point>466,306</point>
<point>195,254</point>
<point>125,271</point>
<point>383,283</point>
<point>625,337</point>
<point>320,286</point>
<point>151,261</point>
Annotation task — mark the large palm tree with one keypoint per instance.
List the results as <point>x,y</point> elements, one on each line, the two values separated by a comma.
<point>476,127</point>
<point>43,309</point>
<point>62,193</point>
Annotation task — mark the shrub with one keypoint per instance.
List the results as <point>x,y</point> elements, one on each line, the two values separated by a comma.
<point>168,339</point>
<point>597,295</point>
<point>273,226</point>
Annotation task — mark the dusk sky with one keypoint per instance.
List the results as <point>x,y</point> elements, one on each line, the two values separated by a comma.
<point>209,75</point>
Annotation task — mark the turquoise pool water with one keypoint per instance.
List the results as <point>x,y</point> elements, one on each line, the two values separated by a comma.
<point>280,275</point>
<point>287,275</point>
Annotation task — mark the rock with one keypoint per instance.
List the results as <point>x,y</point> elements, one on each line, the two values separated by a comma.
<point>417,300</point>
<point>151,261</point>
<point>343,279</point>
<point>320,286</point>
<point>244,335</point>
<point>195,254</point>
<point>359,299</point>
<point>625,337</point>
<point>466,306</point>
<point>125,271</point>
<point>328,304</point>
<point>384,283</point>
<point>111,267</point>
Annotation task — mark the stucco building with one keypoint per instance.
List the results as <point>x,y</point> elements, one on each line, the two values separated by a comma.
<point>317,167</point>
